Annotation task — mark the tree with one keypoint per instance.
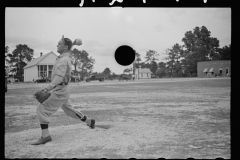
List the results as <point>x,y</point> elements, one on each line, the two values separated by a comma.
<point>94,72</point>
<point>190,64</point>
<point>154,67</point>
<point>136,61</point>
<point>76,62</point>
<point>213,48</point>
<point>107,71</point>
<point>151,56</point>
<point>161,71</point>
<point>127,70</point>
<point>114,75</point>
<point>146,65</point>
<point>174,56</point>
<point>84,63</point>
<point>176,52</point>
<point>199,46</point>
<point>19,58</point>
<point>178,67</point>
<point>76,59</point>
<point>7,60</point>
<point>225,53</point>
<point>162,65</point>
<point>170,67</point>
<point>6,51</point>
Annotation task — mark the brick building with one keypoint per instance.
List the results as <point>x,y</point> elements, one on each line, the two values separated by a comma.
<point>213,68</point>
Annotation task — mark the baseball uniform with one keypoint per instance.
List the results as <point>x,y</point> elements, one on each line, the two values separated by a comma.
<point>61,75</point>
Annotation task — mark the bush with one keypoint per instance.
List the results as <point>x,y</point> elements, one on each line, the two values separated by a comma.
<point>194,75</point>
<point>167,76</point>
<point>182,74</point>
<point>174,74</point>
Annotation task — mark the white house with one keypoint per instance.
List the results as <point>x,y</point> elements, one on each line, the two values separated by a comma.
<point>143,73</point>
<point>40,67</point>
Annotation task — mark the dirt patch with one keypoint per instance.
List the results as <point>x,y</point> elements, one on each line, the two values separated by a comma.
<point>148,119</point>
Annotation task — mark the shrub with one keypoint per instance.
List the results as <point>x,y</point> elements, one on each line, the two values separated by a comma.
<point>194,75</point>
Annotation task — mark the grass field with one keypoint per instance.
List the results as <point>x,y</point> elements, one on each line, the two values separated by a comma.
<point>156,118</point>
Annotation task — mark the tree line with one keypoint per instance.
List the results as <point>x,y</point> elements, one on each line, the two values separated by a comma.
<point>82,62</point>
<point>181,60</point>
<point>18,59</point>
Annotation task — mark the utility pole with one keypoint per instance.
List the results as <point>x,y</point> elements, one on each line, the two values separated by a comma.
<point>138,69</point>
<point>18,65</point>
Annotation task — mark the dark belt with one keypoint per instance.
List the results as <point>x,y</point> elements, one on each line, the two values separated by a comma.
<point>63,83</point>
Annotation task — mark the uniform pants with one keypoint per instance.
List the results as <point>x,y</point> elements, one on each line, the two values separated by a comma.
<point>59,98</point>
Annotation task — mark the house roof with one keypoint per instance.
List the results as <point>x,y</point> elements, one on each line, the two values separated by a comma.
<point>143,70</point>
<point>37,60</point>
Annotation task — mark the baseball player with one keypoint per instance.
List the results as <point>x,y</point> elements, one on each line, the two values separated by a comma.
<point>58,92</point>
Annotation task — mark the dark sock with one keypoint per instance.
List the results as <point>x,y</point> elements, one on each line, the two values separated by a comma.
<point>82,119</point>
<point>44,126</point>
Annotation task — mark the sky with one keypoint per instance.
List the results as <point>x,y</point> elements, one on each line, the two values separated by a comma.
<point>102,30</point>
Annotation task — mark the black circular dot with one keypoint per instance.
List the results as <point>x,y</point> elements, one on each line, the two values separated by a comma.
<point>124,55</point>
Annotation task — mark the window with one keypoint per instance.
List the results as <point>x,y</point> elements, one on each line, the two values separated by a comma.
<point>226,70</point>
<point>141,74</point>
<point>50,67</point>
<point>147,74</point>
<point>42,71</point>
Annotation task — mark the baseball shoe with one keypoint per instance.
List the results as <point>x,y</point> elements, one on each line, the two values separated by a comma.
<point>42,140</point>
<point>92,124</point>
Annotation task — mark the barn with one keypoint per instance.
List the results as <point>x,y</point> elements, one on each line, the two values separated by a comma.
<point>214,68</point>
<point>40,67</point>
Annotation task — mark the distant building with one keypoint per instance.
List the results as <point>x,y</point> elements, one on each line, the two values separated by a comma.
<point>214,68</point>
<point>40,67</point>
<point>144,73</point>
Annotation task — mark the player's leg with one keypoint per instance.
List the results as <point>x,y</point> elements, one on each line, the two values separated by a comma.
<point>68,109</point>
<point>45,110</point>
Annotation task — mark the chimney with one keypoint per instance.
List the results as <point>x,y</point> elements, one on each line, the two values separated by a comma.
<point>40,54</point>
